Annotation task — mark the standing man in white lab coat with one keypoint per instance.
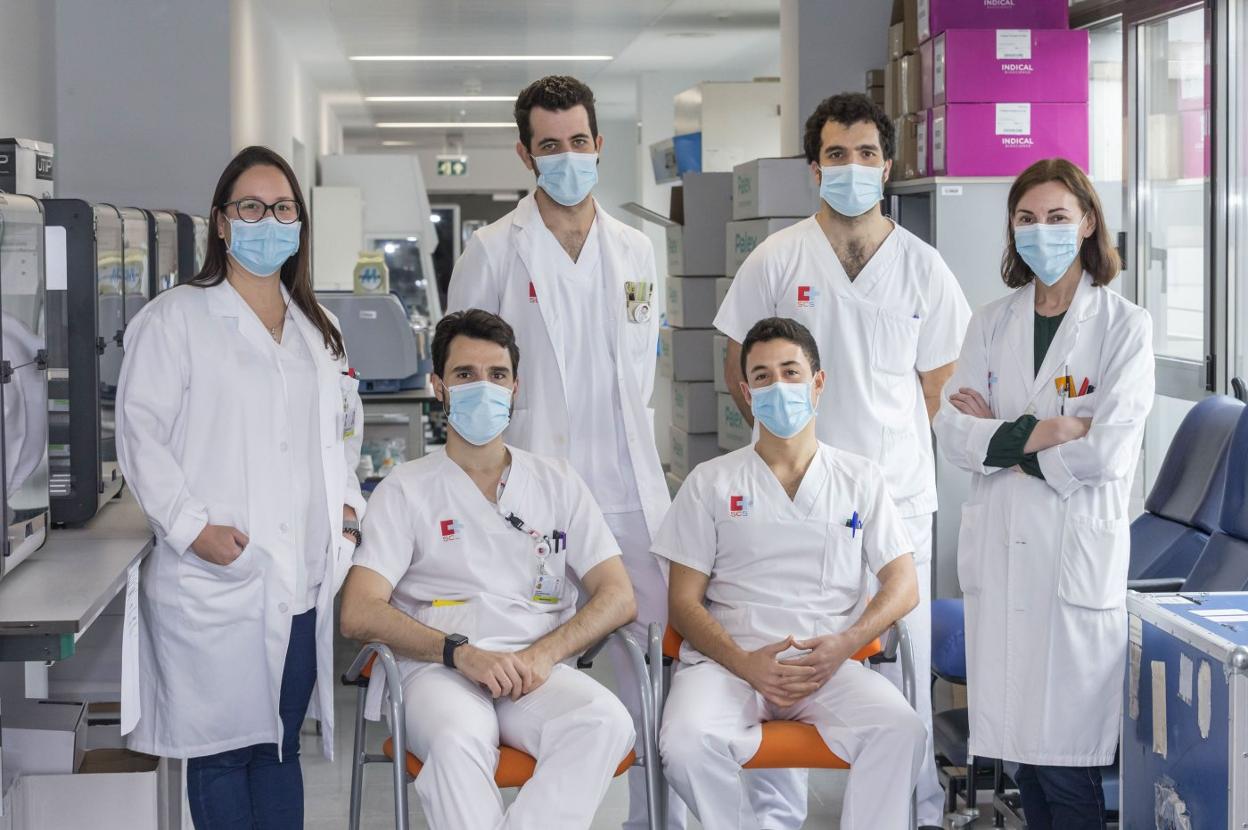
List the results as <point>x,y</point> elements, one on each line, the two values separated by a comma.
<point>577,285</point>
<point>888,316</point>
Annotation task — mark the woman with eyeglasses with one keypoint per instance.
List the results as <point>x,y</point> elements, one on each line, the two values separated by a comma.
<point>1047,410</point>
<point>238,430</point>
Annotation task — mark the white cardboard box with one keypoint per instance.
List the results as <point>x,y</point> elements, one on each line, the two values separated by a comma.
<point>734,433</point>
<point>691,302</point>
<point>116,790</point>
<point>720,355</point>
<point>722,284</point>
<point>701,207</point>
<point>691,449</point>
<point>42,737</point>
<point>774,187</point>
<point>693,406</point>
<point>685,354</point>
<point>744,236</point>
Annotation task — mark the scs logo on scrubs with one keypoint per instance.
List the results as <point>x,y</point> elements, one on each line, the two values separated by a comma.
<point>738,507</point>
<point>532,292</point>
<point>450,530</point>
<point>806,296</point>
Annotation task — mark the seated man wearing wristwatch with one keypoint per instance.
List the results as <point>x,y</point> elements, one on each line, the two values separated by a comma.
<point>468,570</point>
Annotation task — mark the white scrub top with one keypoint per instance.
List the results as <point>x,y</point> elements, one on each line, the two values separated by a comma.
<point>307,486</point>
<point>589,353</point>
<point>436,539</point>
<point>781,566</point>
<point>904,314</point>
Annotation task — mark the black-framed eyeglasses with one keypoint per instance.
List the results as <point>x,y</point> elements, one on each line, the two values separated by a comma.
<point>253,210</point>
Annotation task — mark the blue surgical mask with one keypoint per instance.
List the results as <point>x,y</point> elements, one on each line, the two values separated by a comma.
<point>1048,250</point>
<point>852,189</point>
<point>784,409</point>
<point>480,411</point>
<point>263,247</point>
<point>567,177</point>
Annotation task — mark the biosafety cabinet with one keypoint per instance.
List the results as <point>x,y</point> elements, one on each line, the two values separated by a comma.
<point>23,379</point>
<point>135,261</point>
<point>87,321</point>
<point>192,245</point>
<point>162,246</point>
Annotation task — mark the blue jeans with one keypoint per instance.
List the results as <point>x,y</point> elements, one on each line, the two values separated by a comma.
<point>1061,798</point>
<point>249,788</point>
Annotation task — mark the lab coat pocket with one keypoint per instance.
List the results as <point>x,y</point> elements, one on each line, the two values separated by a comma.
<point>895,345</point>
<point>216,596</point>
<point>1083,406</point>
<point>841,576</point>
<point>1095,557</point>
<point>971,543</point>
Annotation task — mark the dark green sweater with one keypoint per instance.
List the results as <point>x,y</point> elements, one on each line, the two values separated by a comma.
<point>1006,447</point>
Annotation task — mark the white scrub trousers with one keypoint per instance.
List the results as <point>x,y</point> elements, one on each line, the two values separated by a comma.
<point>919,622</point>
<point>778,794</point>
<point>711,726</point>
<point>576,729</point>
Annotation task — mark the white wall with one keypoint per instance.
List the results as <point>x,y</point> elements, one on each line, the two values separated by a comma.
<point>489,169</point>
<point>810,70</point>
<point>142,100</point>
<point>617,169</point>
<point>274,102</point>
<point>27,70</point>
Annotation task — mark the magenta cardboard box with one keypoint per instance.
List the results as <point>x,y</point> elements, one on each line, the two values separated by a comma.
<point>936,16</point>
<point>988,66</point>
<point>1005,139</point>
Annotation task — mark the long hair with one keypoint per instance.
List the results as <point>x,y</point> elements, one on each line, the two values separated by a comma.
<point>1098,254</point>
<point>295,274</point>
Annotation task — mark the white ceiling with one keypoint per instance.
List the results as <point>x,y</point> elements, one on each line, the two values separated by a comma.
<point>715,36</point>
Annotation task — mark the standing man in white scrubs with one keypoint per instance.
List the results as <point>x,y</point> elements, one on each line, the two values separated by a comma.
<point>469,572</point>
<point>889,318</point>
<point>770,547</point>
<point>577,286</point>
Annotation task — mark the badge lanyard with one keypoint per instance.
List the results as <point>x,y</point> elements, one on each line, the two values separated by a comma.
<point>547,587</point>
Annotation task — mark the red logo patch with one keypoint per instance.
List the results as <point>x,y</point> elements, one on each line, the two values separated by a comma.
<point>738,506</point>
<point>450,530</point>
<point>532,292</point>
<point>806,296</point>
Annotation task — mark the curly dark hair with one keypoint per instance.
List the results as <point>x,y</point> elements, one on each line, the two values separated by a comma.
<point>476,324</point>
<point>848,108</point>
<point>554,93</point>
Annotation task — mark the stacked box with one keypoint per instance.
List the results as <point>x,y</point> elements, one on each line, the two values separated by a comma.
<point>988,75</point>
<point>744,235</point>
<point>700,212</point>
<point>876,81</point>
<point>734,432</point>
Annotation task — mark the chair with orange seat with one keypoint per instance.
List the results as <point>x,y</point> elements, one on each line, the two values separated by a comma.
<point>785,744</point>
<point>515,767</point>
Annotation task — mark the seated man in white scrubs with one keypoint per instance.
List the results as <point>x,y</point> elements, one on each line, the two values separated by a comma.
<point>468,570</point>
<point>769,550</point>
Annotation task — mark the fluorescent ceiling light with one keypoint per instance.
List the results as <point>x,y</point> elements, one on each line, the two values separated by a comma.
<point>438,99</point>
<point>397,143</point>
<point>477,58</point>
<point>444,125</point>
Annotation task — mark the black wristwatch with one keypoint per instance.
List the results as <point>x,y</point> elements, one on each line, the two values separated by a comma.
<point>452,642</point>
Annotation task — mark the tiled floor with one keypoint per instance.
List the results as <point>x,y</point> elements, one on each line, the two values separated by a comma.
<point>328,785</point>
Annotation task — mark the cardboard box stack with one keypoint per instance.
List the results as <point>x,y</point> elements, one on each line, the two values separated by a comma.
<point>700,210</point>
<point>998,87</point>
<point>768,194</point>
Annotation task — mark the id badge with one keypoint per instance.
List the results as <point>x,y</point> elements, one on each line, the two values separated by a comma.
<point>638,297</point>
<point>548,589</point>
<point>348,418</point>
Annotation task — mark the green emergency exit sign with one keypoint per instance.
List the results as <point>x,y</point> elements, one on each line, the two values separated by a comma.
<point>452,165</point>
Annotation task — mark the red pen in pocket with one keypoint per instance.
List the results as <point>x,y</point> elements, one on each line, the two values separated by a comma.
<point>1083,389</point>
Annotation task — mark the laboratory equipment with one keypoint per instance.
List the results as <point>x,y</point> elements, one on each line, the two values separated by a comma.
<point>23,379</point>
<point>135,254</point>
<point>386,348</point>
<point>192,245</point>
<point>162,244</point>
<point>86,323</point>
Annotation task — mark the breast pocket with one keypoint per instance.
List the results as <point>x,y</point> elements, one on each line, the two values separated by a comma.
<point>895,343</point>
<point>1083,406</point>
<point>1095,559</point>
<point>841,576</point>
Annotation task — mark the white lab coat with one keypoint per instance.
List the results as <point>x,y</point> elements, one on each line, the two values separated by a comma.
<point>500,271</point>
<point>201,438</point>
<point>1043,564</point>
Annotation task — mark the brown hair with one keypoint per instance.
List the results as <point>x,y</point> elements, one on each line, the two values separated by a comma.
<point>476,324</point>
<point>780,328</point>
<point>1098,254</point>
<point>555,93</point>
<point>296,275</point>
